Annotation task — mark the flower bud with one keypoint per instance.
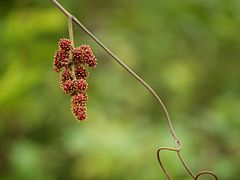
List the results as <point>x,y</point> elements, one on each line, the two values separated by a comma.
<point>79,99</point>
<point>66,75</point>
<point>87,56</point>
<point>80,85</point>
<point>65,44</point>
<point>67,86</point>
<point>79,112</point>
<point>61,59</point>
<point>81,72</point>
<point>77,56</point>
<point>91,62</point>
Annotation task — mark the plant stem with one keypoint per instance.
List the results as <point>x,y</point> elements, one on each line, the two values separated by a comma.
<point>70,30</point>
<point>71,37</point>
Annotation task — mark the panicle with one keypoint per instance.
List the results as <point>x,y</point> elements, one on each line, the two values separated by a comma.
<point>73,78</point>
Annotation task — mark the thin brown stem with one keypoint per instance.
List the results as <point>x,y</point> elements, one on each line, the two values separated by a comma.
<point>185,164</point>
<point>70,29</point>
<point>71,37</point>
<point>205,173</point>
<point>177,149</point>
<point>178,145</point>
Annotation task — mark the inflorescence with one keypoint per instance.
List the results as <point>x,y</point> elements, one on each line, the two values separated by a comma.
<point>72,62</point>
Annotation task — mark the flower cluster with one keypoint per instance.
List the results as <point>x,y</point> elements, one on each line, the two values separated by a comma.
<point>73,77</point>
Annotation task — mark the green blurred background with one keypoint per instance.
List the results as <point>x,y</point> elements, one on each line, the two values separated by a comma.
<point>187,50</point>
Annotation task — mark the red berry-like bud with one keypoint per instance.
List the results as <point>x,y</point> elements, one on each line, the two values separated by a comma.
<point>81,72</point>
<point>57,65</point>
<point>92,62</point>
<point>79,112</point>
<point>80,85</point>
<point>66,75</point>
<point>79,99</point>
<point>87,56</point>
<point>67,86</point>
<point>60,60</point>
<point>65,44</point>
<point>77,55</point>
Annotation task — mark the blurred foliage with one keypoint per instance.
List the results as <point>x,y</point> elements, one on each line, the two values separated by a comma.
<point>187,50</point>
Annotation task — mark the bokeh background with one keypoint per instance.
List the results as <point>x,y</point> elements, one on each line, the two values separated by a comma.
<point>187,50</point>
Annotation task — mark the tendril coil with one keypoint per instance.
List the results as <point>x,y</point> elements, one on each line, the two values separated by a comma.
<point>178,151</point>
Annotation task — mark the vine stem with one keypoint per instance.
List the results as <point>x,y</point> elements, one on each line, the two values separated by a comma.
<point>177,143</point>
<point>70,29</point>
<point>71,37</point>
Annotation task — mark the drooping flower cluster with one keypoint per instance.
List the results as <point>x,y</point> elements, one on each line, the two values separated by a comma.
<point>73,77</point>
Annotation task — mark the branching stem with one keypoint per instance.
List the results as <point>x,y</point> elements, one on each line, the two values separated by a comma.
<point>178,145</point>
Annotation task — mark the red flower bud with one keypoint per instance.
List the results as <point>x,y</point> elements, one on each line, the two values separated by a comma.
<point>65,44</point>
<point>80,85</point>
<point>92,62</point>
<point>79,99</point>
<point>88,56</point>
<point>81,72</point>
<point>67,86</point>
<point>57,65</point>
<point>61,59</point>
<point>66,75</point>
<point>79,112</point>
<point>77,56</point>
